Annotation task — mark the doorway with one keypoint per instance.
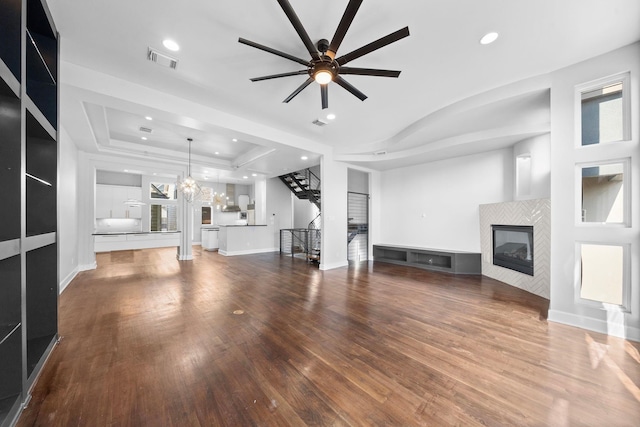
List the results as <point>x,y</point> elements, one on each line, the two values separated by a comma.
<point>357,226</point>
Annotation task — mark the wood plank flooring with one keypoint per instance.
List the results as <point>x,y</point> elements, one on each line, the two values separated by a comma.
<point>264,340</point>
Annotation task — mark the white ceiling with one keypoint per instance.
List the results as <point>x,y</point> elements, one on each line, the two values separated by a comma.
<point>453,97</point>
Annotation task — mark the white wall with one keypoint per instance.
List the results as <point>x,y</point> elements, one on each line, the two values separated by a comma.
<point>334,213</point>
<point>436,205</point>
<point>539,150</point>
<point>303,211</point>
<point>67,210</point>
<point>279,214</point>
<point>358,181</point>
<point>565,305</point>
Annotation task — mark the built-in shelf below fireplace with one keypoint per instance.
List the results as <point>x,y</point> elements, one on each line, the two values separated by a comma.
<point>513,247</point>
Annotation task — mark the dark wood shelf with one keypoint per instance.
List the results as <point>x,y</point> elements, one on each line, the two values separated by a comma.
<point>10,295</point>
<point>42,61</point>
<point>456,262</point>
<point>28,172</point>
<point>11,357</point>
<point>10,150</point>
<point>10,34</point>
<point>40,179</point>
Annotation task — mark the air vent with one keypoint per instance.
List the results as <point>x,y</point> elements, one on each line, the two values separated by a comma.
<point>319,122</point>
<point>161,59</point>
<point>380,153</point>
<point>144,129</point>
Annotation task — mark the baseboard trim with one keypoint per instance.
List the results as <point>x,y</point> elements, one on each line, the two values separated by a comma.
<point>619,330</point>
<point>247,252</point>
<point>184,257</point>
<point>325,266</point>
<point>65,282</point>
<point>86,267</point>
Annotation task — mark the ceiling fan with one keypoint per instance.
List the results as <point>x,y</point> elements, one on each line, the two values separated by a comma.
<point>324,67</point>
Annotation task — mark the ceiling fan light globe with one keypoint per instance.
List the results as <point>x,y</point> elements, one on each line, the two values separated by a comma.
<point>323,77</point>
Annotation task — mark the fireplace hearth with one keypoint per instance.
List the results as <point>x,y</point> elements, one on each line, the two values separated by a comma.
<point>513,247</point>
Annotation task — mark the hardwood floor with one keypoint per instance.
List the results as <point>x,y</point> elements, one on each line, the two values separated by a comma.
<point>264,340</point>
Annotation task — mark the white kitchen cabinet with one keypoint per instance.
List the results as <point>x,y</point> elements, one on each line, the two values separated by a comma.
<point>134,193</point>
<point>110,201</point>
<point>132,241</point>
<point>103,201</point>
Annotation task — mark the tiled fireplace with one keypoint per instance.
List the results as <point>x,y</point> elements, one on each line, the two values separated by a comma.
<point>522,244</point>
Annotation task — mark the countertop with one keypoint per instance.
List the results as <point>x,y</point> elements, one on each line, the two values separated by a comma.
<point>112,233</point>
<point>244,225</point>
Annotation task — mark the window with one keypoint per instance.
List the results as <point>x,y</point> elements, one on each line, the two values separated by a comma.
<point>163,191</point>
<point>603,193</point>
<point>164,218</point>
<point>604,112</point>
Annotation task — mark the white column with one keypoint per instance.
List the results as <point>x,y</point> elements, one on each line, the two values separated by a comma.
<point>334,213</point>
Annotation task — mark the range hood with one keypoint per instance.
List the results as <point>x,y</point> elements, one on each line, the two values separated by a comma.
<point>134,202</point>
<point>231,208</point>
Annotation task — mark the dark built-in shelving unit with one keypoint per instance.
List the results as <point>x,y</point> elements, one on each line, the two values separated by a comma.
<point>456,262</point>
<point>28,221</point>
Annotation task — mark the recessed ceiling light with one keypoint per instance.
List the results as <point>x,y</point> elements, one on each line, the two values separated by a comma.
<point>216,153</point>
<point>489,38</point>
<point>171,45</point>
<point>144,138</point>
<point>126,170</point>
<point>304,157</point>
<point>148,117</point>
<point>254,174</point>
<point>245,177</point>
<point>155,174</point>
<point>331,116</point>
<point>235,139</point>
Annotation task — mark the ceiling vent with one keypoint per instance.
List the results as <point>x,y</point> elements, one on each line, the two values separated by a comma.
<point>144,129</point>
<point>161,59</point>
<point>319,122</point>
<point>380,152</point>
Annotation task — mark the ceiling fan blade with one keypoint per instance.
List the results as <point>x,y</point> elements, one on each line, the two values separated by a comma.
<point>343,26</point>
<point>324,94</point>
<point>297,25</point>
<point>369,72</point>
<point>380,43</point>
<point>300,89</point>
<point>277,76</point>
<point>274,51</point>
<point>349,87</point>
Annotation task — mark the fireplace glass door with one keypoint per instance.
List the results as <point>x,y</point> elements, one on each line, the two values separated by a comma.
<point>513,247</point>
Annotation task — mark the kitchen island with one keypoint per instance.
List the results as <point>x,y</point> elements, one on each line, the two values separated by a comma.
<point>245,239</point>
<point>127,240</point>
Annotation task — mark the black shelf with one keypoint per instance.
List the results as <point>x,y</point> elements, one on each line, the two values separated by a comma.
<point>42,62</point>
<point>28,172</point>
<point>10,163</point>
<point>40,179</point>
<point>10,34</point>
<point>10,368</point>
<point>10,296</point>
<point>42,302</point>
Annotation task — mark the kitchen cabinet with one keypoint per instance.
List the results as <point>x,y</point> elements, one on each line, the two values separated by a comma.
<point>129,241</point>
<point>110,201</point>
<point>28,219</point>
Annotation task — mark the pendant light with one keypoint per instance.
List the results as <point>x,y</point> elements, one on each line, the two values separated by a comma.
<point>189,187</point>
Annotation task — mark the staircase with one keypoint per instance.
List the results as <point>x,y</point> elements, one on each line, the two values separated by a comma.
<point>304,184</point>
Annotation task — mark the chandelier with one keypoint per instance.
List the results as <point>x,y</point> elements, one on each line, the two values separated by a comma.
<point>219,199</point>
<point>189,187</point>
